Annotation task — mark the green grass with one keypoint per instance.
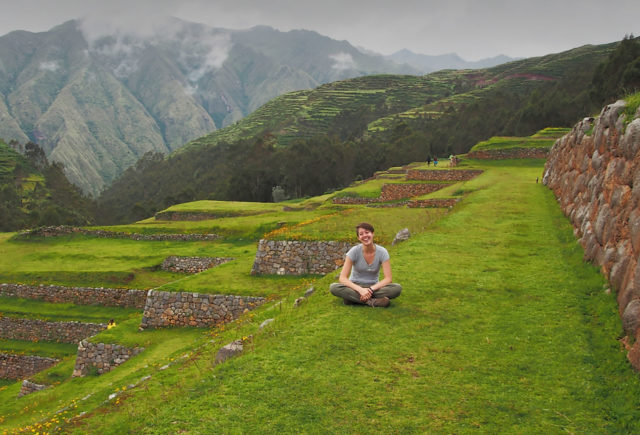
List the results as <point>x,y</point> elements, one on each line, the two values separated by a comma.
<point>552,132</point>
<point>35,309</point>
<point>501,328</point>
<point>41,348</point>
<point>544,138</point>
<point>91,261</point>
<point>633,102</point>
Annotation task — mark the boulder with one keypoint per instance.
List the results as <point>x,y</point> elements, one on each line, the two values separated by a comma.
<point>229,351</point>
<point>401,236</point>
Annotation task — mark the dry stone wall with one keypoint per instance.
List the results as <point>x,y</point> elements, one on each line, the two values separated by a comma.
<point>39,330</point>
<point>30,387</point>
<point>435,202</point>
<point>23,366</point>
<point>513,153</point>
<point>64,230</point>
<point>293,257</point>
<point>101,357</point>
<point>193,309</point>
<point>354,200</point>
<point>125,298</point>
<point>192,264</point>
<point>594,172</point>
<point>392,192</point>
<point>443,174</point>
<point>183,216</point>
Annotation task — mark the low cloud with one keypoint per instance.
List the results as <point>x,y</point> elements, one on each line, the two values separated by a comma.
<point>52,66</point>
<point>200,49</point>
<point>343,61</point>
<point>204,54</point>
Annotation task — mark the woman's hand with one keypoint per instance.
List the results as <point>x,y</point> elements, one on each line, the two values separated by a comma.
<point>365,293</point>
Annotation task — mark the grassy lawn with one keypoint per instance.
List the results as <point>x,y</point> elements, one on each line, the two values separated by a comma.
<point>501,328</point>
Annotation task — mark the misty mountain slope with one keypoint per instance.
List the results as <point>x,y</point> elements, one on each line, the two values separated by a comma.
<point>97,141</point>
<point>97,102</point>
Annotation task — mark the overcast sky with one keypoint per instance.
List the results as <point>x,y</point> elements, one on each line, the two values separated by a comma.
<point>474,29</point>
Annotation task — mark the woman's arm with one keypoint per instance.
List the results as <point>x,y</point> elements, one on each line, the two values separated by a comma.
<point>364,293</point>
<point>387,277</point>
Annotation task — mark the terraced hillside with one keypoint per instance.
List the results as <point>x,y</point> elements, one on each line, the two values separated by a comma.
<point>500,326</point>
<point>386,101</point>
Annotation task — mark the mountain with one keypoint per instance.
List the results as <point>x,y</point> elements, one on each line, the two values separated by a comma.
<point>428,63</point>
<point>97,102</point>
<point>310,141</point>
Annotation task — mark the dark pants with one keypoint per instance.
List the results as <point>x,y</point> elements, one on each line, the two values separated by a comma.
<point>342,291</point>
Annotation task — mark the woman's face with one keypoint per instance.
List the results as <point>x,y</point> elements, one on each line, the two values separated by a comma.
<point>365,236</point>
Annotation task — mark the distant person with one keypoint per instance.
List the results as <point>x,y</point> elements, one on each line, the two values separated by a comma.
<point>435,161</point>
<point>429,161</point>
<point>359,279</point>
<point>111,324</point>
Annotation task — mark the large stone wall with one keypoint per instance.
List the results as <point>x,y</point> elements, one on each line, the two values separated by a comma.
<point>596,178</point>
<point>23,366</point>
<point>293,257</point>
<point>193,309</point>
<point>39,330</point>
<point>443,174</point>
<point>512,153</point>
<point>101,357</point>
<point>126,298</point>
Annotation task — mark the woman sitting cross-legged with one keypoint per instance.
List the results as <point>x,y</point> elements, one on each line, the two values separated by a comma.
<point>359,280</point>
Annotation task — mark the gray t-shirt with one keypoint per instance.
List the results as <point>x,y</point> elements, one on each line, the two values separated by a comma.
<point>362,272</point>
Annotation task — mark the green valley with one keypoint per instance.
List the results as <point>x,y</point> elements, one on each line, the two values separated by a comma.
<point>500,327</point>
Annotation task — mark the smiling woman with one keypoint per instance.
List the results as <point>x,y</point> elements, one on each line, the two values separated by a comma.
<point>359,280</point>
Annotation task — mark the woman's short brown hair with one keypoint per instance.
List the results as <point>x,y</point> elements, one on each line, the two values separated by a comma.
<point>364,226</point>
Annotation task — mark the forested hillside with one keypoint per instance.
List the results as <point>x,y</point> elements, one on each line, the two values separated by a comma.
<point>34,192</point>
<point>307,142</point>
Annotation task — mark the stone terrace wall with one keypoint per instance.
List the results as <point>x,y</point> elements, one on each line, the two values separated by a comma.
<point>102,357</point>
<point>192,264</point>
<point>33,329</point>
<point>194,309</point>
<point>392,192</point>
<point>63,230</point>
<point>513,153</point>
<point>23,366</point>
<point>443,174</point>
<point>354,200</point>
<point>596,179</point>
<point>183,216</point>
<point>30,387</point>
<point>77,295</point>
<point>292,257</point>
<point>435,202</point>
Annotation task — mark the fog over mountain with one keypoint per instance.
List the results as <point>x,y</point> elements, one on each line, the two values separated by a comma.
<point>429,63</point>
<point>97,97</point>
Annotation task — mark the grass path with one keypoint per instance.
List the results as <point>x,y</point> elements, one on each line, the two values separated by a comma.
<point>501,328</point>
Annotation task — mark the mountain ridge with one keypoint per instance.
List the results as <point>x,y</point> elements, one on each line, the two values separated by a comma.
<point>60,88</point>
<point>429,63</point>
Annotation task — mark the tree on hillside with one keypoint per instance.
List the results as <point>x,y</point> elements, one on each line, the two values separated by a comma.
<point>619,75</point>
